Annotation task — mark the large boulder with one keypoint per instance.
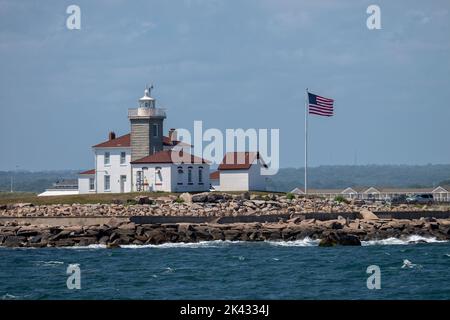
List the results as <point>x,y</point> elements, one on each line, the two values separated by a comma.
<point>349,240</point>
<point>127,226</point>
<point>144,200</point>
<point>367,215</point>
<point>103,240</point>
<point>164,199</point>
<point>217,197</point>
<point>14,241</point>
<point>186,197</point>
<point>155,236</point>
<point>342,239</point>
<point>245,195</point>
<point>186,230</point>
<point>200,197</point>
<point>27,232</point>
<point>333,224</point>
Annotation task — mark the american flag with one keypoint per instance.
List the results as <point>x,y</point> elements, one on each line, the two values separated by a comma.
<point>319,105</point>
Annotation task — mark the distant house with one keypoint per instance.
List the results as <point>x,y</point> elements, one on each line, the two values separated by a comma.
<point>328,193</point>
<point>371,194</point>
<point>440,193</point>
<point>241,171</point>
<point>350,193</point>
<point>298,191</point>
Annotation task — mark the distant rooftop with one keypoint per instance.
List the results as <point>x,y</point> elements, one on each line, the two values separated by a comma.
<point>65,184</point>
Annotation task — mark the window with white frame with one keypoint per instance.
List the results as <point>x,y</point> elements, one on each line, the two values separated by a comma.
<point>155,130</point>
<point>107,158</point>
<point>91,184</point>
<point>180,175</point>
<point>189,175</point>
<point>200,175</point>
<point>123,156</point>
<point>158,176</point>
<point>139,181</point>
<point>107,183</point>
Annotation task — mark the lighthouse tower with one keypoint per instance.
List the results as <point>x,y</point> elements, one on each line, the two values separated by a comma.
<point>146,127</point>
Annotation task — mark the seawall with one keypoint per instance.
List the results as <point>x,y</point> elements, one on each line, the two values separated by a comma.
<point>322,216</point>
<point>116,233</point>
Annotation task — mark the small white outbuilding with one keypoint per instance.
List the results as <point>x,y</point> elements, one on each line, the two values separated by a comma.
<point>242,171</point>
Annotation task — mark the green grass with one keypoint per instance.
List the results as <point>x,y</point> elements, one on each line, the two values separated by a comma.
<point>14,195</point>
<point>103,198</point>
<point>340,199</point>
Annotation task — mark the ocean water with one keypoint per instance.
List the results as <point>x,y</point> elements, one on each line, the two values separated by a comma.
<point>230,270</point>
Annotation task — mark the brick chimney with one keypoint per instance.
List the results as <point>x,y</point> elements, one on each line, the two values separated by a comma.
<point>172,135</point>
<point>112,135</point>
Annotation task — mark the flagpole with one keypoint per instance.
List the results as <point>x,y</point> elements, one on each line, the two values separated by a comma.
<point>306,142</point>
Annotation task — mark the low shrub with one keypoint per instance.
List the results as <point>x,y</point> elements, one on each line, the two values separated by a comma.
<point>340,199</point>
<point>290,196</point>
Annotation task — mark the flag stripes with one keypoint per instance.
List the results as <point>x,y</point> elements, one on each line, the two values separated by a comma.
<point>320,106</point>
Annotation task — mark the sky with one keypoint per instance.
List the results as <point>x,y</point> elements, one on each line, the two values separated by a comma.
<point>232,64</point>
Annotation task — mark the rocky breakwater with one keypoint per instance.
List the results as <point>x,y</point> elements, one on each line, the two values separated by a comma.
<point>115,234</point>
<point>202,205</point>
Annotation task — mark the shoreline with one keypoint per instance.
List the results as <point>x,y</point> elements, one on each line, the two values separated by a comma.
<point>118,233</point>
<point>192,218</point>
<point>211,204</point>
<point>306,242</point>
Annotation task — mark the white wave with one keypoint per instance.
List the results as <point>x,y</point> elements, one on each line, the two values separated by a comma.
<point>201,244</point>
<point>408,264</point>
<point>9,297</point>
<point>214,243</point>
<point>48,263</point>
<point>306,242</point>
<point>91,246</point>
<point>397,241</point>
<point>169,270</point>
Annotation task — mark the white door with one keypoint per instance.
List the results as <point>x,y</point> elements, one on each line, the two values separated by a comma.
<point>123,180</point>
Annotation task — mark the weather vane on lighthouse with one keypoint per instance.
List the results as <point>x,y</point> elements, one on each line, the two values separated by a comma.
<point>149,89</point>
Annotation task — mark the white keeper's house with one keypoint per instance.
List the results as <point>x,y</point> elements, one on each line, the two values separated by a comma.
<point>143,160</point>
<point>240,171</point>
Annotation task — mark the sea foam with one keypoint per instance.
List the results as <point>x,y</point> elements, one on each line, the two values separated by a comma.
<point>48,263</point>
<point>200,244</point>
<point>396,241</point>
<point>306,242</point>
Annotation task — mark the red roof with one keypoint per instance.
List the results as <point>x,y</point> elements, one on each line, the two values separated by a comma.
<point>166,157</point>
<point>167,142</point>
<point>125,142</point>
<point>119,142</point>
<point>214,175</point>
<point>238,160</point>
<point>92,171</point>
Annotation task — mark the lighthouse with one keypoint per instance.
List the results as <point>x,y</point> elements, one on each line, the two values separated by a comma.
<point>146,127</point>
